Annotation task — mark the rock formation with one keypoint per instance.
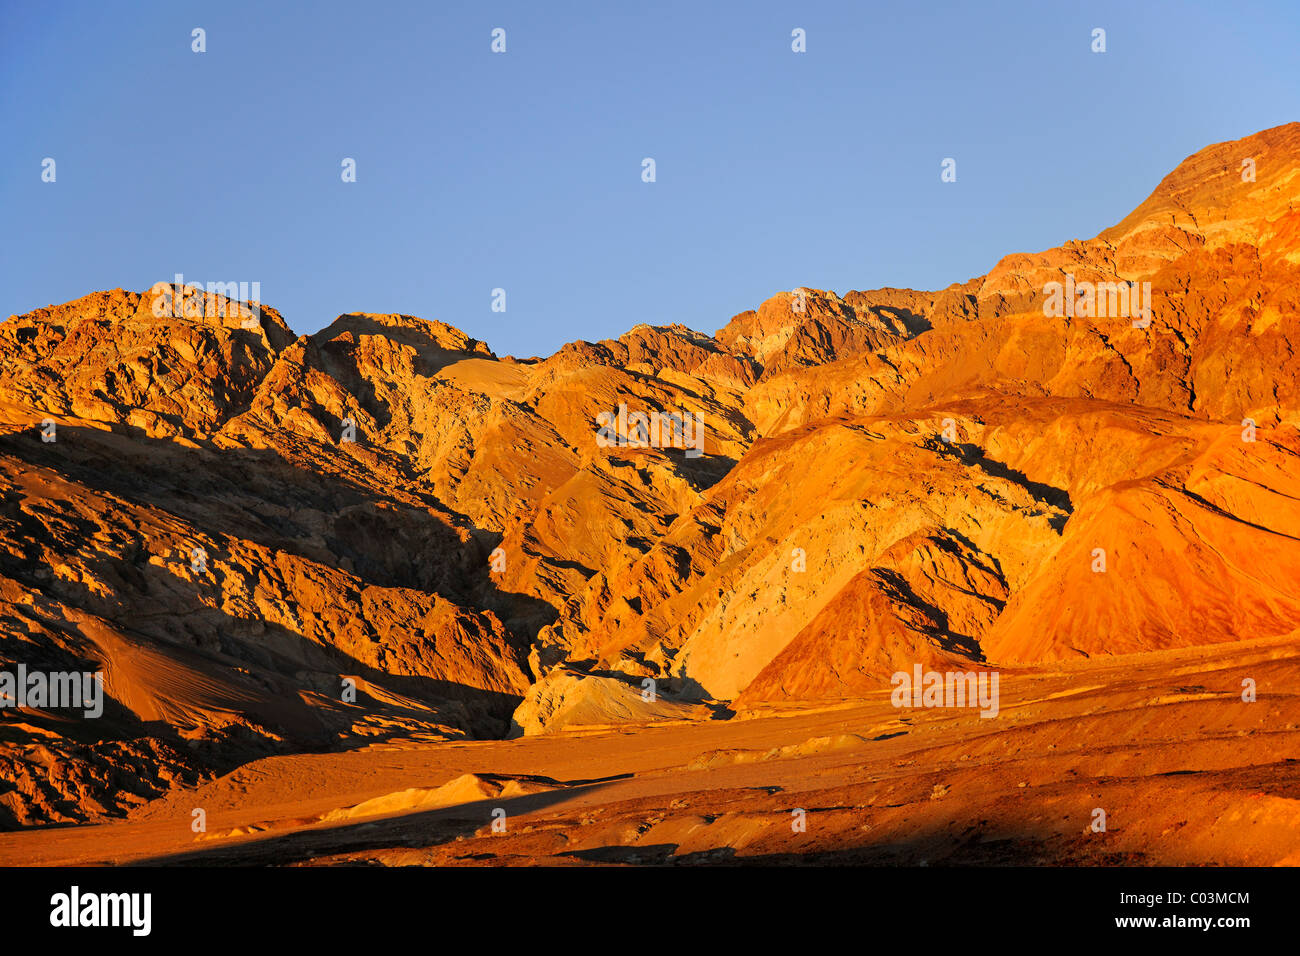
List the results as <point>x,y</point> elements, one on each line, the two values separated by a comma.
<point>272,543</point>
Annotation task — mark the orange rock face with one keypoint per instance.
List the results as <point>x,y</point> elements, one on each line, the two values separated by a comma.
<point>273,544</point>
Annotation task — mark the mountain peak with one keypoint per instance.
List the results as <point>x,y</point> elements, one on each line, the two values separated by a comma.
<point>833,489</point>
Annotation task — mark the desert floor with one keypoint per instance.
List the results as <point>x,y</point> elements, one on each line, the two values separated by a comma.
<point>1185,770</point>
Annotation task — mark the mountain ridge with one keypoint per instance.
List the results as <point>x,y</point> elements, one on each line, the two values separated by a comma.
<point>888,477</point>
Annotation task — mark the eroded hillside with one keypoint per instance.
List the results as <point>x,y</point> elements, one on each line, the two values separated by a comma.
<point>237,524</point>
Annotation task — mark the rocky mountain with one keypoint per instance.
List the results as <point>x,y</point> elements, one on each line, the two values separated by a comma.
<point>272,543</point>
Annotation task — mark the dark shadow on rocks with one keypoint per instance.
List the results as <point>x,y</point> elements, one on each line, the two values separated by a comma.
<point>974,456</point>
<point>259,497</point>
<point>425,828</point>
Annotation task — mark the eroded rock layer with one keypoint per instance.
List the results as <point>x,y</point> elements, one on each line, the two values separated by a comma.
<point>271,543</point>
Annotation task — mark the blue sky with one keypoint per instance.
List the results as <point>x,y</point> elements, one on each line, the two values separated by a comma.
<point>522,170</point>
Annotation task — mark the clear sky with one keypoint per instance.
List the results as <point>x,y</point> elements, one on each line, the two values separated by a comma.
<point>523,170</point>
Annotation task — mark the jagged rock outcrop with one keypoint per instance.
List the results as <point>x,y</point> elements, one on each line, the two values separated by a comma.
<point>272,542</point>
